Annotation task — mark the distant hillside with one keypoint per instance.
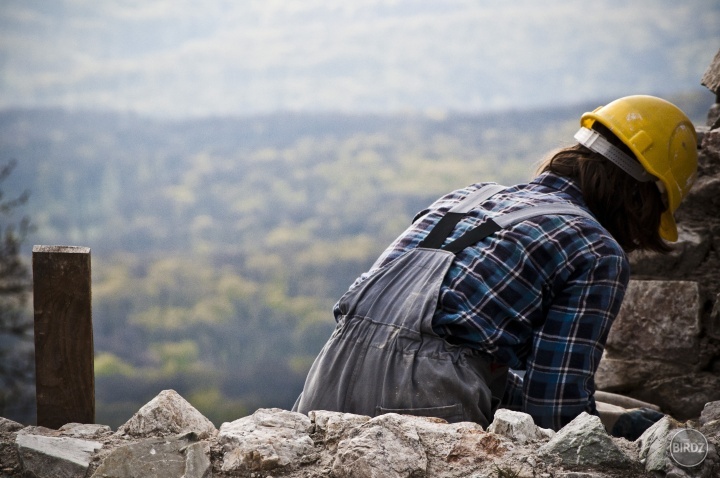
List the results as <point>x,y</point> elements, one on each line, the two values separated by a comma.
<point>220,245</point>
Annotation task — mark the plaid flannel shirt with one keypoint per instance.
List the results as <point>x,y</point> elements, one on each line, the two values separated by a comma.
<point>539,296</point>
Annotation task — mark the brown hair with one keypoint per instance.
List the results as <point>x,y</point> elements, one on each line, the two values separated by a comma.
<point>628,209</point>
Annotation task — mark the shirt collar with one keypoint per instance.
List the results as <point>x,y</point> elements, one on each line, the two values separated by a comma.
<point>567,187</point>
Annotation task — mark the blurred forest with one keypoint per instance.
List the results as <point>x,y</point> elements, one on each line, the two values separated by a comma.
<point>219,245</point>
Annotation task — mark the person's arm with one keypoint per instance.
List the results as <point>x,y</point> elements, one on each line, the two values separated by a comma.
<point>566,350</point>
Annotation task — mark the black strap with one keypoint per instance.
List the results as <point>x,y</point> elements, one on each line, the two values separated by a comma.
<point>473,236</point>
<point>442,230</point>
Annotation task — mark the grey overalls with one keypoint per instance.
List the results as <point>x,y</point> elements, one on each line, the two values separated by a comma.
<point>384,355</point>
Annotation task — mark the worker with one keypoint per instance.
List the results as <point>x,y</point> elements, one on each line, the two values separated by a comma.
<point>491,279</point>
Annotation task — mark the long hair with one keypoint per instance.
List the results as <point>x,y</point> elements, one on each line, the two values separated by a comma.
<point>628,209</point>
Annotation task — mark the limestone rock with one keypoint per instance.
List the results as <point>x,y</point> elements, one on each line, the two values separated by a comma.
<point>60,457</point>
<point>658,320</point>
<point>711,412</point>
<point>584,441</point>
<point>518,426</point>
<point>386,446</point>
<point>627,374</point>
<point>165,415</point>
<point>683,396</point>
<point>8,426</point>
<point>653,445</point>
<point>710,420</point>
<point>170,457</point>
<point>711,77</point>
<point>269,438</point>
<point>334,425</point>
<point>85,430</point>
<point>688,253</point>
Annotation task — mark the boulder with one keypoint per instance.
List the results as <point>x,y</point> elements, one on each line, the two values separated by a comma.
<point>60,457</point>
<point>655,452</point>
<point>181,456</point>
<point>682,396</point>
<point>620,374</point>
<point>518,427</point>
<point>165,415</point>
<point>585,442</point>
<point>387,446</point>
<point>710,420</point>
<point>332,426</point>
<point>658,320</point>
<point>268,439</point>
<point>8,426</point>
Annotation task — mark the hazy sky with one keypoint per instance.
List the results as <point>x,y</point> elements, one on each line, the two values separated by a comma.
<point>178,58</point>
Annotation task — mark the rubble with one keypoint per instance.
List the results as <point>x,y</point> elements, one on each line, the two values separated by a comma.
<point>278,443</point>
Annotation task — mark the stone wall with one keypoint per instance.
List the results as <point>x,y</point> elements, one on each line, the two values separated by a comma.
<point>168,438</point>
<point>664,347</point>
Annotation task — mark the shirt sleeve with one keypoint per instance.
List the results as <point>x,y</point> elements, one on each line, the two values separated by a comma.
<point>566,350</point>
<point>512,398</point>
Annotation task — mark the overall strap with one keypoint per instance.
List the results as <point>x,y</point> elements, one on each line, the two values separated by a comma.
<point>444,227</point>
<point>491,226</point>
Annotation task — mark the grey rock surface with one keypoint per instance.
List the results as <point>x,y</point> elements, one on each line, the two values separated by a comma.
<point>386,446</point>
<point>584,441</point>
<point>167,414</point>
<point>81,430</point>
<point>658,320</point>
<point>267,439</point>
<point>180,457</point>
<point>60,457</point>
<point>518,427</point>
<point>9,425</point>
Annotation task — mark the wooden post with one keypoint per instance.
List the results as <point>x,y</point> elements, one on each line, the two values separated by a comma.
<point>64,363</point>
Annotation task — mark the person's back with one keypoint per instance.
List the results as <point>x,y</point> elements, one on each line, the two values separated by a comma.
<point>463,294</point>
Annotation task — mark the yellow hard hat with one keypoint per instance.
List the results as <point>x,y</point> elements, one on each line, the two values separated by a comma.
<point>663,140</point>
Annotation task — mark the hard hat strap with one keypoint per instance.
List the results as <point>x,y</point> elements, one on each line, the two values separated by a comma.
<point>595,142</point>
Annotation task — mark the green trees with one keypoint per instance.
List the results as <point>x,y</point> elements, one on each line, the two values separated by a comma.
<point>16,351</point>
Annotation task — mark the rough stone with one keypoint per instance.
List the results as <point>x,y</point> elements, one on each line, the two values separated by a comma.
<point>165,415</point>
<point>80,430</point>
<point>682,396</point>
<point>713,323</point>
<point>710,420</point>
<point>688,253</point>
<point>8,426</point>
<point>385,447</point>
<point>518,426</point>
<point>615,374</point>
<point>456,446</point>
<point>653,445</point>
<point>711,412</point>
<point>269,438</point>
<point>658,320</point>
<point>60,457</point>
<point>584,441</point>
<point>711,77</point>
<point>158,458</point>
<point>333,425</point>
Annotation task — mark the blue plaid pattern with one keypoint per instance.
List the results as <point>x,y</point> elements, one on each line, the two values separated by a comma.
<point>539,296</point>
